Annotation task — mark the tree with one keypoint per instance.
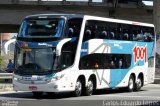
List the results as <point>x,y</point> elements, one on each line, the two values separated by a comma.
<point>2,63</point>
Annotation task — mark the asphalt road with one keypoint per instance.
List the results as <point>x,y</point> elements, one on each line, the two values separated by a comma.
<point>149,95</point>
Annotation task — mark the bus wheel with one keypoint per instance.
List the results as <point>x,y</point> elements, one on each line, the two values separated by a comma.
<point>78,88</point>
<point>37,94</point>
<point>131,84</point>
<point>89,89</point>
<point>138,84</point>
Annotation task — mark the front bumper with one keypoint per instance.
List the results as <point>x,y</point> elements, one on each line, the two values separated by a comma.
<point>48,87</point>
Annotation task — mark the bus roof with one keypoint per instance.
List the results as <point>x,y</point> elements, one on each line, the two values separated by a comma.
<point>89,17</point>
<point>55,15</point>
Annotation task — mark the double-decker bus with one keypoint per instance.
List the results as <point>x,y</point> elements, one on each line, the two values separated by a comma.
<point>82,53</point>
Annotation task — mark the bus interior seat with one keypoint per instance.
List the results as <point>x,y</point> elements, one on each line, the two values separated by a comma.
<point>112,36</point>
<point>88,34</point>
<point>70,32</point>
<point>126,36</point>
<point>103,35</point>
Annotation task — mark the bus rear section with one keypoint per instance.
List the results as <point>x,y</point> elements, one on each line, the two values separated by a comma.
<point>119,53</point>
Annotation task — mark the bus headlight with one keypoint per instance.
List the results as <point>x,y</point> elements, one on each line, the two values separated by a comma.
<point>48,80</point>
<point>59,77</point>
<point>15,79</point>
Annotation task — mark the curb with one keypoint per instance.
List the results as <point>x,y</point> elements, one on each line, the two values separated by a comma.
<point>6,92</point>
<point>6,87</point>
<point>157,81</point>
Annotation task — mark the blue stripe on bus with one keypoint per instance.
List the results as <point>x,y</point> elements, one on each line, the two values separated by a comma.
<point>50,75</point>
<point>117,75</point>
<point>122,47</point>
<point>84,49</point>
<point>73,39</point>
<point>44,76</point>
<point>37,45</point>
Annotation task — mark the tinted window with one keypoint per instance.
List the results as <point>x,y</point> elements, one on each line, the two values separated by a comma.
<point>74,27</point>
<point>118,31</point>
<point>100,30</point>
<point>42,27</point>
<point>141,33</point>
<point>105,61</point>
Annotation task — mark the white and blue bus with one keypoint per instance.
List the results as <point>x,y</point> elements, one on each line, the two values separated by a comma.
<point>82,53</point>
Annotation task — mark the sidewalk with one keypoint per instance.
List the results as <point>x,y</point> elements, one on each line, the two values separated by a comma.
<point>157,80</point>
<point>6,87</point>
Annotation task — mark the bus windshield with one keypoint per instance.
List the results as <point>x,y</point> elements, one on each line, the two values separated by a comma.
<point>42,28</point>
<point>35,61</point>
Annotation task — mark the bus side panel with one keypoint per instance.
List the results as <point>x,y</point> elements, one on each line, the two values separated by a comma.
<point>140,51</point>
<point>103,78</point>
<point>96,46</point>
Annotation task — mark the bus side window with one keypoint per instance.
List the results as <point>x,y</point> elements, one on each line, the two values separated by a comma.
<point>148,37</point>
<point>126,32</point>
<point>112,35</point>
<point>70,32</point>
<point>104,35</point>
<point>88,31</point>
<point>140,36</point>
<point>87,34</point>
<point>74,26</point>
<point>135,32</point>
<point>66,59</point>
<point>116,61</point>
<point>112,30</point>
<point>101,31</point>
<point>148,34</point>
<point>126,36</point>
<point>119,33</point>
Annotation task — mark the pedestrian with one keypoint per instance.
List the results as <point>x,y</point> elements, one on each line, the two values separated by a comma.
<point>10,66</point>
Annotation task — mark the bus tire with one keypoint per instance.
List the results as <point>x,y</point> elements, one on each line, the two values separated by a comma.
<point>139,84</point>
<point>37,94</point>
<point>89,88</point>
<point>78,88</point>
<point>131,84</point>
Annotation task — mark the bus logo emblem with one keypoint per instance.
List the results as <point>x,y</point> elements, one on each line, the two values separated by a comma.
<point>140,53</point>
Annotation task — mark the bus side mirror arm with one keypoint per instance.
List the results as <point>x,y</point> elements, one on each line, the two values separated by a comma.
<point>60,45</point>
<point>58,52</point>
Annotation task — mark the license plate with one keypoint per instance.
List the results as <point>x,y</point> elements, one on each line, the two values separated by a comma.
<point>32,88</point>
